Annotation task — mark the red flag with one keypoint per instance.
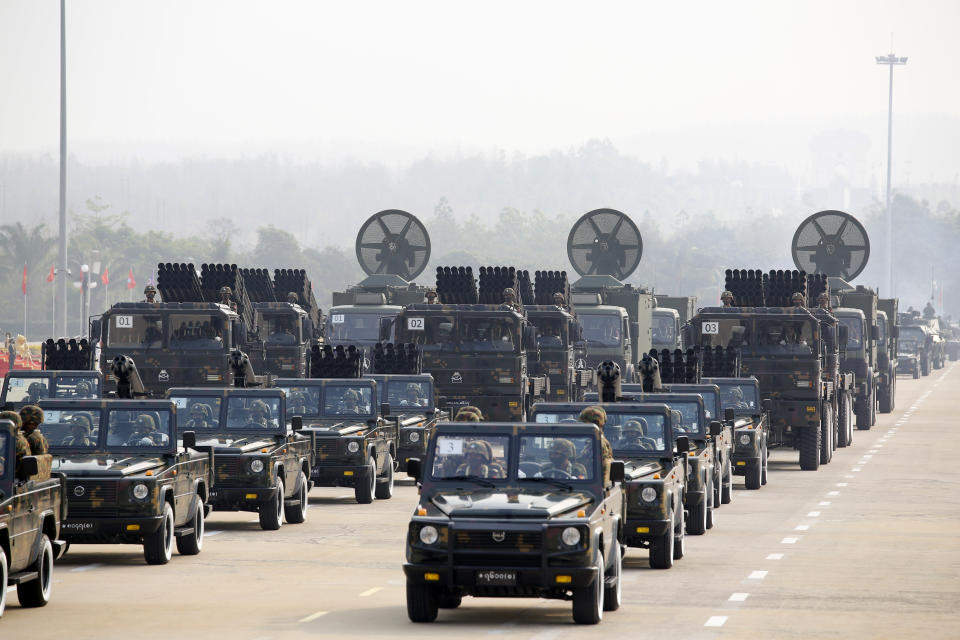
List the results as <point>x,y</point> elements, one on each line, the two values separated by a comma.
<point>131,283</point>
<point>105,278</point>
<point>23,287</point>
<point>52,275</point>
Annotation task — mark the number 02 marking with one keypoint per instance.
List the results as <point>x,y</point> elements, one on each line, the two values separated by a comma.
<point>415,324</point>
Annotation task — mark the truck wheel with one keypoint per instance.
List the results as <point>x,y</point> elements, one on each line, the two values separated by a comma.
<point>36,593</point>
<point>710,509</point>
<point>297,513</point>
<point>925,367</point>
<point>158,546</point>
<point>826,439</point>
<point>662,549</point>
<point>810,448</point>
<point>611,585</point>
<point>697,524</point>
<point>271,513</point>
<point>843,421</point>
<point>916,373</point>
<point>764,467</point>
<point>192,544</point>
<point>364,491</point>
<point>754,475</point>
<point>863,416</point>
<point>678,537</point>
<point>717,485</point>
<point>885,398</point>
<point>4,576</point>
<point>384,490</point>
<point>726,492</point>
<point>588,601</point>
<point>421,603</point>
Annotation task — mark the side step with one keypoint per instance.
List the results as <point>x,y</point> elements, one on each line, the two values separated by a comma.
<point>183,531</point>
<point>22,577</point>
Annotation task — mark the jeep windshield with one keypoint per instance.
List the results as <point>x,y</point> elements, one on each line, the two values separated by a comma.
<point>342,400</point>
<point>739,397</point>
<point>345,326</point>
<point>913,336</point>
<point>253,413</point>
<point>554,457</point>
<point>643,432</point>
<point>401,394</point>
<point>601,330</point>
<point>198,413</point>
<point>72,428</point>
<point>303,401</point>
<point>690,423</point>
<point>29,389</point>
<point>787,335</point>
<point>76,387</point>
<point>138,429</point>
<point>135,330</point>
<point>470,456</point>
<point>908,346</point>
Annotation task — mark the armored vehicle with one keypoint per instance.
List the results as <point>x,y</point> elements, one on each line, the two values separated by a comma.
<point>128,479</point>
<point>504,511</point>
<point>741,405</point>
<point>355,442</point>
<point>260,464</point>
<point>655,475</point>
<point>412,402</point>
<point>32,506</point>
<point>888,327</point>
<point>858,311</point>
<point>30,387</point>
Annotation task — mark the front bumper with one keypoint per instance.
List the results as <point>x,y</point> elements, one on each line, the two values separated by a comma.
<point>639,532</point>
<point>108,530</point>
<point>339,475</point>
<point>407,451</point>
<point>531,581</point>
<point>240,498</point>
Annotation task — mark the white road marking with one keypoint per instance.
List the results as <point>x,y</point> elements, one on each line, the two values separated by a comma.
<point>833,493</point>
<point>801,527</point>
<point>867,456</point>
<point>855,469</point>
<point>842,484</point>
<point>312,616</point>
<point>775,556</point>
<point>813,514</point>
<point>370,592</point>
<point>757,575</point>
<point>715,621</point>
<point>738,597</point>
<point>848,476</point>
<point>215,532</point>
<point>86,567</point>
<point>824,503</point>
<point>789,541</point>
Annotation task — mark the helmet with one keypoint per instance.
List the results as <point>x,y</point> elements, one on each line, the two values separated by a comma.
<point>431,293</point>
<point>34,387</point>
<point>83,388</point>
<point>468,414</point>
<point>293,298</point>
<point>261,407</point>
<point>351,395</point>
<point>594,415</point>
<point>12,416</point>
<point>81,420</point>
<point>736,393</point>
<point>201,408</point>
<point>225,291</point>
<point>726,294</point>
<point>298,397</point>
<point>31,414</point>
<point>563,447</point>
<point>149,289</point>
<point>509,293</point>
<point>638,425</point>
<point>558,297</point>
<point>796,295</point>
<point>413,386</point>
<point>147,422</point>
<point>479,447</point>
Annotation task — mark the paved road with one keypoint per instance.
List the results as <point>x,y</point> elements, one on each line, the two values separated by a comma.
<point>865,547</point>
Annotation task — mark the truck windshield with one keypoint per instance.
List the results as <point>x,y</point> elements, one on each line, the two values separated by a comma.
<point>246,412</point>
<point>354,326</point>
<point>74,429</point>
<point>432,332</point>
<point>303,401</point>
<point>601,330</point>
<point>26,389</point>
<point>196,331</point>
<point>912,336</point>
<point>739,397</point>
<point>551,332</point>
<point>136,330</point>
<point>280,328</point>
<point>664,328</point>
<point>568,458</point>
<point>77,387</point>
<point>470,455</point>
<point>882,325</point>
<point>138,428</point>
<point>486,333</point>
<point>854,331</point>
<point>198,413</point>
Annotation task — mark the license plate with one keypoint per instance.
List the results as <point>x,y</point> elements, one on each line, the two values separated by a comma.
<point>77,527</point>
<point>495,578</point>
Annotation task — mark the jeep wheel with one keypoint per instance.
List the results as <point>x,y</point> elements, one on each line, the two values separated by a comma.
<point>863,416</point>
<point>810,448</point>
<point>271,512</point>
<point>925,367</point>
<point>710,509</point>
<point>366,485</point>
<point>588,601</point>
<point>717,487</point>
<point>754,475</point>
<point>916,373</point>
<point>678,538</point>
<point>421,603</point>
<point>190,545</point>
<point>826,439</point>
<point>297,513</point>
<point>4,571</point>
<point>765,465</point>
<point>611,585</point>
<point>726,490</point>
<point>158,546</point>
<point>697,519</point>
<point>36,593</point>
<point>449,600</point>
<point>384,490</point>
<point>662,549</point>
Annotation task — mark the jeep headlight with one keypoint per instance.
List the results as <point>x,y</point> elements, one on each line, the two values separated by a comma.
<point>353,447</point>
<point>570,536</point>
<point>140,491</point>
<point>414,436</point>
<point>429,534</point>
<point>745,439</point>
<point>256,465</point>
<point>649,494</point>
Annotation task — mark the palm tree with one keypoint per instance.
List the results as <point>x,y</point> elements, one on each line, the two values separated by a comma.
<point>21,246</point>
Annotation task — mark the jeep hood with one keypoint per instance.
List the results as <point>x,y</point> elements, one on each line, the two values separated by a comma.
<point>236,444</point>
<point>523,504</point>
<point>106,465</point>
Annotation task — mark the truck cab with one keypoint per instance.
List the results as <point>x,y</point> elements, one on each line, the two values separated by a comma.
<point>558,339</point>
<point>666,329</point>
<point>283,339</point>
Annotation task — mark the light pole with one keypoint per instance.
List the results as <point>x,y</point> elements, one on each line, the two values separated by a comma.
<point>891,61</point>
<point>62,257</point>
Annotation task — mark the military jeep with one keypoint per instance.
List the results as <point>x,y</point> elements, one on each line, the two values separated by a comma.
<point>412,403</point>
<point>655,477</point>
<point>128,479</point>
<point>740,400</point>
<point>355,443</point>
<point>32,506</point>
<point>503,512</point>
<point>260,464</point>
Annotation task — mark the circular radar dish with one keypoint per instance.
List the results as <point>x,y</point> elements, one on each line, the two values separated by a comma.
<point>393,242</point>
<point>832,243</point>
<point>605,242</point>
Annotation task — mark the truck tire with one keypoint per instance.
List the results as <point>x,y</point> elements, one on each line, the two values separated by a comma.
<point>158,546</point>
<point>844,418</point>
<point>863,416</point>
<point>752,478</point>
<point>366,488</point>
<point>710,509</point>
<point>697,522</point>
<point>588,601</point>
<point>297,513</point>
<point>678,536</point>
<point>886,398</point>
<point>916,373</point>
<point>662,549</point>
<point>421,603</point>
<point>810,448</point>
<point>191,545</point>
<point>36,593</point>
<point>384,490</point>
<point>826,435</point>
<point>271,513</point>
<point>717,486</point>
<point>449,600</point>
<point>726,492</point>
<point>612,592</point>
<point>925,366</point>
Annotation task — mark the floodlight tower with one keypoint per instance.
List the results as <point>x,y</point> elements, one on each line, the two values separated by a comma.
<point>892,61</point>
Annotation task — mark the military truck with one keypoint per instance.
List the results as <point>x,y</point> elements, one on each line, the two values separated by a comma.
<point>22,387</point>
<point>888,326</point>
<point>669,314</point>
<point>641,435</point>
<point>260,464</point>
<point>128,479</point>
<point>740,401</point>
<point>858,312</point>
<point>916,339</point>
<point>355,439</point>
<point>32,506</point>
<point>503,512</point>
<point>558,335</point>
<point>412,402</point>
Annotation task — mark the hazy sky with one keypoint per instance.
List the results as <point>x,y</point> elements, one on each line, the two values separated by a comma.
<point>214,75</point>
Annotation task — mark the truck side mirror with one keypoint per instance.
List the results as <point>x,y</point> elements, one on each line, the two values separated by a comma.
<point>29,466</point>
<point>617,471</point>
<point>729,414</point>
<point>189,440</point>
<point>296,423</point>
<point>842,331</point>
<point>683,444</point>
<point>767,404</point>
<point>895,331</point>
<point>874,332</point>
<point>413,468</point>
<point>386,329</point>
<point>635,330</point>
<point>716,428</point>
<point>384,409</point>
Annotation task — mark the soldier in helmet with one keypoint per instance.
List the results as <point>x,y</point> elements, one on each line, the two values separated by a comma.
<point>477,461</point>
<point>23,447</point>
<point>510,299</point>
<point>412,396</point>
<point>560,301</point>
<point>83,390</point>
<point>80,427</point>
<point>145,433</point>
<point>797,299</point>
<point>293,298</point>
<point>431,296</point>
<point>635,435</point>
<point>597,415</point>
<point>727,298</point>
<point>298,403</point>
<point>259,415</point>
<point>929,312</point>
<point>563,461</point>
<point>199,417</point>
<point>31,417</point>
<point>35,391</point>
<point>823,301</point>
<point>149,294</point>
<point>468,414</point>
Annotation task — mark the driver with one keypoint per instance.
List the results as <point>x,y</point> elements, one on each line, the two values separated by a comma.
<point>199,417</point>
<point>413,396</point>
<point>145,433</point>
<point>350,402</point>
<point>562,454</point>
<point>259,415</point>
<point>634,435</point>
<point>478,460</point>
<point>734,396</point>
<point>83,390</point>
<point>298,403</point>
<point>34,392</point>
<point>80,427</point>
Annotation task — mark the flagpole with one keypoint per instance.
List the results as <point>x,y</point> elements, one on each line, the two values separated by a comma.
<point>24,299</point>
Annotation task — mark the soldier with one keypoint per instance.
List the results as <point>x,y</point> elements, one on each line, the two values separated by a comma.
<point>596,415</point>
<point>823,301</point>
<point>468,414</point>
<point>83,390</point>
<point>797,299</point>
<point>298,403</point>
<point>510,299</point>
<point>259,414</point>
<point>80,427</point>
<point>32,417</point>
<point>146,434</point>
<point>562,455</point>
<point>225,295</point>
<point>634,435</point>
<point>350,402</point>
<point>23,447</point>
<point>560,301</point>
<point>199,417</point>
<point>34,392</point>
<point>413,396</point>
<point>293,298</point>
<point>149,293</point>
<point>727,298</point>
<point>478,460</point>
<point>734,396</point>
<point>431,296</point>
<point>929,313</point>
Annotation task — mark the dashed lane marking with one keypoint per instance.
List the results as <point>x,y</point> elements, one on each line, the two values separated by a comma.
<point>715,621</point>
<point>842,484</point>
<point>813,514</point>
<point>738,597</point>
<point>825,503</point>
<point>833,493</point>
<point>789,541</point>
<point>801,527</point>
<point>86,567</point>
<point>775,556</point>
<point>757,575</point>
<point>370,592</point>
<point>312,616</point>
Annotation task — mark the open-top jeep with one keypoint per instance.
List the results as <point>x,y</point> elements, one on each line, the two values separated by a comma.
<point>32,505</point>
<point>740,399</point>
<point>30,387</point>
<point>655,476</point>
<point>412,405</point>
<point>260,463</point>
<point>355,443</point>
<point>128,481</point>
<point>511,510</point>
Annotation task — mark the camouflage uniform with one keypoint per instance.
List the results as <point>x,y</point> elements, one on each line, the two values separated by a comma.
<point>80,427</point>
<point>634,435</point>
<point>510,299</point>
<point>477,460</point>
<point>32,417</point>
<point>199,417</point>
<point>413,395</point>
<point>149,292</point>
<point>351,402</point>
<point>298,403</point>
<point>796,299</point>
<point>596,415</point>
<point>146,434</point>
<point>823,301</point>
<point>431,296</point>
<point>259,412</point>
<point>23,447</point>
<point>562,452</point>
<point>727,298</point>
<point>560,301</point>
